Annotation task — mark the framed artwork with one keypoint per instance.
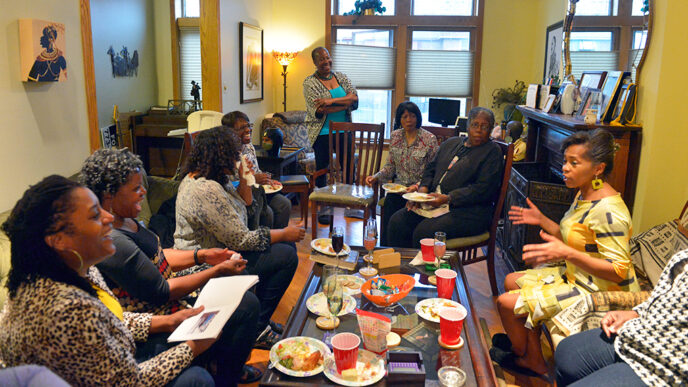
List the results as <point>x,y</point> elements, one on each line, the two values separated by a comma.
<point>585,102</point>
<point>251,66</point>
<point>553,47</point>
<point>549,103</point>
<point>610,92</point>
<point>592,80</point>
<point>42,51</point>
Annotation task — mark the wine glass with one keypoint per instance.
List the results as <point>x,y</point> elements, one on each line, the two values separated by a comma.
<point>337,240</point>
<point>440,247</point>
<point>369,242</point>
<point>334,293</point>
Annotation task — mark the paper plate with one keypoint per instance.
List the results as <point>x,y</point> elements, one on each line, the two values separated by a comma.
<point>417,197</point>
<point>370,367</point>
<point>311,343</point>
<point>269,189</point>
<point>429,309</point>
<point>394,188</point>
<point>351,283</point>
<point>317,304</point>
<point>324,246</point>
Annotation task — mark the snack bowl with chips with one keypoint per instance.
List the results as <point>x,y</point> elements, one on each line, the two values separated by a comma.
<point>385,290</point>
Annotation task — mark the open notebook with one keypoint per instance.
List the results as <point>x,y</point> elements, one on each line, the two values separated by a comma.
<point>220,297</point>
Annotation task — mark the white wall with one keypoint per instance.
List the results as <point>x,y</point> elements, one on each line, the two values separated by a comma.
<point>44,126</point>
<point>257,13</point>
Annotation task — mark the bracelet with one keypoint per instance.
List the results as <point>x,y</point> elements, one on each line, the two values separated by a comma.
<point>196,255</point>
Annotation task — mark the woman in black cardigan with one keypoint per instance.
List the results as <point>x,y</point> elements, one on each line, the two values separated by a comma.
<point>464,178</point>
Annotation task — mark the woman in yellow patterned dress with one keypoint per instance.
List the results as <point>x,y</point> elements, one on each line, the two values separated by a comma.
<point>592,241</point>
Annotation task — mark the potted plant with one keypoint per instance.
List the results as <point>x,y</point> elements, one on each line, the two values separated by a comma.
<point>510,97</point>
<point>367,7</point>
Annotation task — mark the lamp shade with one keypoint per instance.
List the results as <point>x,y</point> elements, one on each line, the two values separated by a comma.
<point>285,58</point>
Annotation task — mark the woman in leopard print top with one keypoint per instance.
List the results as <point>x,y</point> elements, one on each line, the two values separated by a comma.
<point>60,314</point>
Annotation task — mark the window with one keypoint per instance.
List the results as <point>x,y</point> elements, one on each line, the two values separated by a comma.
<point>348,6</point>
<point>637,8</point>
<point>443,7</point>
<point>639,38</point>
<point>592,51</point>
<point>189,59</point>
<point>423,102</point>
<point>594,8</point>
<point>191,8</point>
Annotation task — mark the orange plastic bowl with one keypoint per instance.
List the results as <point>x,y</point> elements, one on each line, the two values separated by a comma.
<point>404,282</point>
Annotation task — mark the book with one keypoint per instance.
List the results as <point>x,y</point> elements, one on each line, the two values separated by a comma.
<point>348,263</point>
<point>220,297</point>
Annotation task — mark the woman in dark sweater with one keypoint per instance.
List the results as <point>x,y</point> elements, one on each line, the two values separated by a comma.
<point>463,180</point>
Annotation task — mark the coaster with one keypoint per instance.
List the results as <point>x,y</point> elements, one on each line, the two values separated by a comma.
<point>326,323</point>
<point>368,272</point>
<point>432,279</point>
<point>393,340</point>
<point>447,346</point>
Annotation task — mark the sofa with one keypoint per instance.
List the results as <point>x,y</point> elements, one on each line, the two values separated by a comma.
<point>293,126</point>
<point>159,190</point>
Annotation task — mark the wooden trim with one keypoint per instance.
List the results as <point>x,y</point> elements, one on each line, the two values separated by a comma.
<point>477,60</point>
<point>89,75</point>
<point>328,23</point>
<point>430,21</point>
<point>211,64</point>
<point>174,35</point>
<point>189,22</point>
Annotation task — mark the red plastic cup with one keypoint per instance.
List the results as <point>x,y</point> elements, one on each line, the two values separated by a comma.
<point>345,348</point>
<point>451,323</point>
<point>446,282</point>
<point>427,248</point>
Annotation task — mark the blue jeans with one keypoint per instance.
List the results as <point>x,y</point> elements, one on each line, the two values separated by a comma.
<point>588,359</point>
<point>193,376</point>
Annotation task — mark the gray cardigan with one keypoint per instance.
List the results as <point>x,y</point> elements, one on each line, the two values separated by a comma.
<point>314,89</point>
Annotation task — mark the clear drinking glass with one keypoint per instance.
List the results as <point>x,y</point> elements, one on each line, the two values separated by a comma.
<point>369,242</point>
<point>440,247</point>
<point>333,292</point>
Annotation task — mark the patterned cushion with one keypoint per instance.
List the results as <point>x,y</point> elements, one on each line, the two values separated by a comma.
<point>294,129</point>
<point>651,250</point>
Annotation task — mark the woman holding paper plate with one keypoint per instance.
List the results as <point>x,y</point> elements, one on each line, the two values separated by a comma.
<point>141,273</point>
<point>61,314</point>
<point>461,184</point>
<point>410,150</point>
<point>212,213</point>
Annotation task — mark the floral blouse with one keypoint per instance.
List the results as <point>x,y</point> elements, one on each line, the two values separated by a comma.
<point>406,163</point>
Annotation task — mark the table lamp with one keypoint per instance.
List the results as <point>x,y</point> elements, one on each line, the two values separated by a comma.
<point>285,59</point>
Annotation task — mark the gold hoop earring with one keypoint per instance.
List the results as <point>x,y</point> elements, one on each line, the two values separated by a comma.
<point>597,183</point>
<point>81,260</point>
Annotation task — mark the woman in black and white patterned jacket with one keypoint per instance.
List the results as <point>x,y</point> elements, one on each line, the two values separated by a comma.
<point>644,346</point>
<point>61,314</point>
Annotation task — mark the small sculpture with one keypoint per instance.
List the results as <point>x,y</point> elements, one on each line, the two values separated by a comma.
<point>273,139</point>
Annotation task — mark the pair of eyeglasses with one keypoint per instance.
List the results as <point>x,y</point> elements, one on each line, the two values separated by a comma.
<point>484,127</point>
<point>250,126</point>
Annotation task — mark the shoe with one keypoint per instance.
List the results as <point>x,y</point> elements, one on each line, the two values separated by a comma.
<point>324,219</point>
<point>267,339</point>
<point>277,327</point>
<point>501,341</point>
<point>250,374</point>
<point>353,213</point>
<point>507,360</point>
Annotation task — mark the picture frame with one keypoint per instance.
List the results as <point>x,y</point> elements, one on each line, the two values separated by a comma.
<point>585,102</point>
<point>42,51</point>
<point>543,94</point>
<point>251,65</point>
<point>549,103</point>
<point>610,92</point>
<point>591,80</point>
<point>554,44</point>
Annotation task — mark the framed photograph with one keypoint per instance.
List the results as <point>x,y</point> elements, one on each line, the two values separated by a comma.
<point>251,66</point>
<point>585,103</point>
<point>591,80</point>
<point>549,103</point>
<point>553,47</point>
<point>532,96</point>
<point>610,92</point>
<point>542,97</point>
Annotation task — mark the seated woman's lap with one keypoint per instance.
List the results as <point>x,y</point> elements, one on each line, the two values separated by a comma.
<point>393,203</point>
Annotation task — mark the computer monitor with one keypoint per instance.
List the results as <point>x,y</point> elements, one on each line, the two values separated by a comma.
<point>443,111</point>
<point>461,124</point>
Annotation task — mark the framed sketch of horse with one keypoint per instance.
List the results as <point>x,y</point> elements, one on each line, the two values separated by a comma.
<point>123,64</point>
<point>42,51</point>
<point>251,66</point>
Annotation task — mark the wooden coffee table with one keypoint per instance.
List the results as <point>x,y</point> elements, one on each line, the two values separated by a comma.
<point>473,357</point>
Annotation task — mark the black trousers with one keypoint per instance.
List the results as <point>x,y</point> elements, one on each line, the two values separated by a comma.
<point>275,268</point>
<point>230,351</point>
<point>406,228</point>
<point>393,203</point>
<point>321,147</point>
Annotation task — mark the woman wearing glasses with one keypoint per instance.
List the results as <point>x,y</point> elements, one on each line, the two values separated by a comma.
<point>463,180</point>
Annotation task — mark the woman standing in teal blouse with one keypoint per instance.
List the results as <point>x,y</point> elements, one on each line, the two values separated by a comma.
<point>330,96</point>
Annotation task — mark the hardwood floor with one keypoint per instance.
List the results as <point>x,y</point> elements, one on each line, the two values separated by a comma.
<point>476,274</point>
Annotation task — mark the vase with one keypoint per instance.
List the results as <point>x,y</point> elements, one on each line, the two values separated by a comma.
<point>369,12</point>
<point>273,139</point>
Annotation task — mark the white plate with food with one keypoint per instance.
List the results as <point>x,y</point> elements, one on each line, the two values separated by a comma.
<point>370,368</point>
<point>394,188</point>
<point>324,246</point>
<point>299,356</point>
<point>350,283</point>
<point>269,188</point>
<point>429,309</point>
<point>317,304</point>
<point>417,197</point>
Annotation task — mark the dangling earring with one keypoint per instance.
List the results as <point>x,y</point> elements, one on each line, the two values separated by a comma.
<point>597,183</point>
<point>81,260</point>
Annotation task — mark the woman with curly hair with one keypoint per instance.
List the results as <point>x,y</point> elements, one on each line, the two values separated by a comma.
<point>141,272</point>
<point>211,212</point>
<point>61,314</point>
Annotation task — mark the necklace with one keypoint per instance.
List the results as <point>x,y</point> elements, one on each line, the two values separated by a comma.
<point>327,78</point>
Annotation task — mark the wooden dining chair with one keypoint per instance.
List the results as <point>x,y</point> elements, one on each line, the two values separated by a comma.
<point>346,183</point>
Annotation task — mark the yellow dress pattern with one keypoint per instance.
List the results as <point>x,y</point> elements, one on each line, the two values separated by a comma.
<point>599,228</point>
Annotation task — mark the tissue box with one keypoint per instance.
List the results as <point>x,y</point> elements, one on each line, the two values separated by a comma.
<point>405,368</point>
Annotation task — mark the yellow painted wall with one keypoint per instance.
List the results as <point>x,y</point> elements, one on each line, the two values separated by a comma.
<point>663,174</point>
<point>163,51</point>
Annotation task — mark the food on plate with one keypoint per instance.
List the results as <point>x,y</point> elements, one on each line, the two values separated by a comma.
<point>350,374</point>
<point>326,245</point>
<point>418,196</point>
<point>394,187</point>
<point>299,356</point>
<point>433,309</point>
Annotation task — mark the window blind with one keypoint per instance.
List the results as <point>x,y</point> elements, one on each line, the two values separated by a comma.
<point>582,61</point>
<point>367,67</point>
<point>189,59</point>
<point>439,73</point>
